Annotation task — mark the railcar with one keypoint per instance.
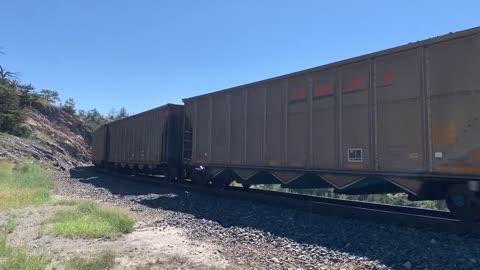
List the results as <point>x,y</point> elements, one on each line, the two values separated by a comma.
<point>149,142</point>
<point>405,119</point>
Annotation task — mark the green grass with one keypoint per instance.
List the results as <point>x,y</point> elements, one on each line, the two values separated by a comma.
<point>45,137</point>
<point>64,202</point>
<point>9,225</point>
<point>91,220</point>
<point>105,260</point>
<point>17,259</point>
<point>23,184</point>
<point>3,245</point>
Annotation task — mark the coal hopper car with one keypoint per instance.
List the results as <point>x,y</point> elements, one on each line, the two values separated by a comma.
<point>149,142</point>
<point>405,119</point>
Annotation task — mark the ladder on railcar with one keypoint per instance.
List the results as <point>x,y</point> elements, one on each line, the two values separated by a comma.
<point>187,145</point>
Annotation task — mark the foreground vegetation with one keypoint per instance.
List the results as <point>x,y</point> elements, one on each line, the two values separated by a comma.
<point>27,184</point>
<point>23,184</point>
<point>15,258</point>
<point>90,219</point>
<point>105,260</point>
<point>18,259</point>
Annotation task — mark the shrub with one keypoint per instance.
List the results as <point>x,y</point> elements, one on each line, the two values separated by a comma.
<point>105,260</point>
<point>17,259</point>
<point>90,219</point>
<point>23,184</point>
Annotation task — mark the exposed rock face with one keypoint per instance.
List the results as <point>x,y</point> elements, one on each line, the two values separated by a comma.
<point>57,138</point>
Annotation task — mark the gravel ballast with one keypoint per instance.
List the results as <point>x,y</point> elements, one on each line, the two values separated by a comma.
<point>260,236</point>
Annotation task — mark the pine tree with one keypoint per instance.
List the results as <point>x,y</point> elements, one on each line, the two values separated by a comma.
<point>51,96</point>
<point>69,106</point>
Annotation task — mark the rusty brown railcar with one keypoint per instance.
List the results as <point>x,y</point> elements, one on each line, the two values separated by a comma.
<point>404,119</point>
<point>150,141</point>
<point>98,145</point>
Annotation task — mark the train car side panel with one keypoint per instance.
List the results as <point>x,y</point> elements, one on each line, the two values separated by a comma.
<point>324,139</point>
<point>296,122</point>
<point>99,145</point>
<point>237,127</point>
<point>255,126</point>
<point>453,68</point>
<point>355,117</point>
<point>275,124</point>
<point>150,138</point>
<point>202,131</point>
<point>399,110</point>
<point>219,129</point>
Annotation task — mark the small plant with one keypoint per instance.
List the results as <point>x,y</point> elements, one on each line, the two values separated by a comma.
<point>17,259</point>
<point>105,260</point>
<point>3,245</point>
<point>9,226</point>
<point>23,184</point>
<point>90,219</point>
<point>44,137</point>
<point>67,202</point>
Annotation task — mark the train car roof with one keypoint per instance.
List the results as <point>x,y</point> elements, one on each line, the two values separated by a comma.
<point>412,45</point>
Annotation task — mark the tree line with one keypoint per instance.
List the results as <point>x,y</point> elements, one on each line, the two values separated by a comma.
<point>16,96</point>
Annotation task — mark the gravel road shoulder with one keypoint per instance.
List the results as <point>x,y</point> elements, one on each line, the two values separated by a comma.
<point>241,234</point>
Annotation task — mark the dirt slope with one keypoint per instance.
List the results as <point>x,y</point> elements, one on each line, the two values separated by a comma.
<point>58,138</point>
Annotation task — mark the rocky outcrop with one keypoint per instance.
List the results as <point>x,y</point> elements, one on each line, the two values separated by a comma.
<point>57,137</point>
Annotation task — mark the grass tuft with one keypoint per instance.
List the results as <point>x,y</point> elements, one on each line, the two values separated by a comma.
<point>3,245</point>
<point>65,202</point>
<point>105,260</point>
<point>44,137</point>
<point>23,184</point>
<point>16,259</point>
<point>90,220</point>
<point>9,225</point>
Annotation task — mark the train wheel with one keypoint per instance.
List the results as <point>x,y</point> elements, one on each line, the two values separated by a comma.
<point>463,203</point>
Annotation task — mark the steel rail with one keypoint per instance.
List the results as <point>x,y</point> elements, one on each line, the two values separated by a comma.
<point>428,219</point>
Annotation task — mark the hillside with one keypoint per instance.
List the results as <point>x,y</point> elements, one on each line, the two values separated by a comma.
<point>57,137</point>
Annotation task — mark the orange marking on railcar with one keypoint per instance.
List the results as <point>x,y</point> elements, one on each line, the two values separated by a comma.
<point>389,76</point>
<point>296,164</point>
<point>355,84</point>
<point>354,166</point>
<point>323,90</point>
<point>274,163</point>
<point>298,94</point>
<point>444,133</point>
<point>458,169</point>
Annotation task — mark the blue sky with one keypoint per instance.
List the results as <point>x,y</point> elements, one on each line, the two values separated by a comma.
<point>142,54</point>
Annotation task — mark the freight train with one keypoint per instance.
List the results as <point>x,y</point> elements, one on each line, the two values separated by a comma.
<point>405,119</point>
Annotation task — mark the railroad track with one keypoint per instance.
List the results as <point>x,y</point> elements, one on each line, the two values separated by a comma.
<point>434,220</point>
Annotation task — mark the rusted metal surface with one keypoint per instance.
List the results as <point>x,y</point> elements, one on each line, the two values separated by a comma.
<point>99,145</point>
<point>410,110</point>
<point>152,137</point>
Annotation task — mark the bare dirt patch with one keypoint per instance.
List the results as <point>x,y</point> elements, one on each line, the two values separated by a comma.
<point>147,247</point>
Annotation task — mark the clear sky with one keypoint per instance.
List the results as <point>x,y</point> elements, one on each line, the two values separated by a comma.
<point>142,54</point>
